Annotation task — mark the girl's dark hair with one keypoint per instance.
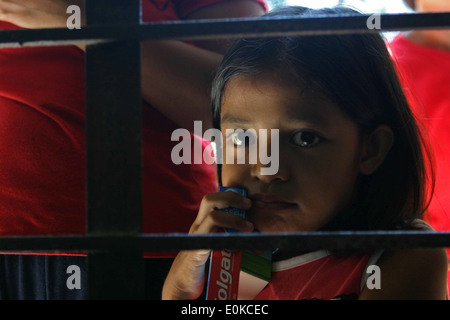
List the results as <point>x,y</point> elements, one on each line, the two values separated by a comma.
<point>357,73</point>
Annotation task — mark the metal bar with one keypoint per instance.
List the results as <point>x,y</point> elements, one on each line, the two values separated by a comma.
<point>113,138</point>
<point>336,240</point>
<point>113,153</point>
<point>223,28</point>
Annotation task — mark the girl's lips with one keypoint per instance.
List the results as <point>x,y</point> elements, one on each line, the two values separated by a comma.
<point>273,205</point>
<point>267,201</point>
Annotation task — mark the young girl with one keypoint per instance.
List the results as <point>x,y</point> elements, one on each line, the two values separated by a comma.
<point>350,158</point>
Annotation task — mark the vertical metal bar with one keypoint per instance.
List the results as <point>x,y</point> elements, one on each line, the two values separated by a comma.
<point>114,155</point>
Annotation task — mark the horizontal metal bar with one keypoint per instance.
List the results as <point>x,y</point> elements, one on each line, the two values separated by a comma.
<point>223,28</point>
<point>337,240</point>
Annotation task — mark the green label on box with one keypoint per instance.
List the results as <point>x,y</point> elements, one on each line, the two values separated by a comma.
<point>258,265</point>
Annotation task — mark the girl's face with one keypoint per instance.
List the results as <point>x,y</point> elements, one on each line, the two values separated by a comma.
<point>319,153</point>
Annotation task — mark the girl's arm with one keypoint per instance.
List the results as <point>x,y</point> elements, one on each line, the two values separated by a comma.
<point>186,277</point>
<point>411,274</point>
<point>176,76</point>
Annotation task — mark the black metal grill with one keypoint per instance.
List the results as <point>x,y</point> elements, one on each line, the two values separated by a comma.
<point>114,239</point>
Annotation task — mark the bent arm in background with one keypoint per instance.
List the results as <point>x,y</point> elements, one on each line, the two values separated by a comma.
<point>184,72</point>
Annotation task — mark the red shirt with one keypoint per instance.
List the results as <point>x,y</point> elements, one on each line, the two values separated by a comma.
<point>318,275</point>
<point>42,123</point>
<point>325,276</point>
<point>425,76</point>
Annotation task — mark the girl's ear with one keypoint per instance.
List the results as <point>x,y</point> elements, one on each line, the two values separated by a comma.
<point>375,149</point>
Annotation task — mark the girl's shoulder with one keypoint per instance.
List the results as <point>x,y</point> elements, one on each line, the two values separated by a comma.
<point>413,273</point>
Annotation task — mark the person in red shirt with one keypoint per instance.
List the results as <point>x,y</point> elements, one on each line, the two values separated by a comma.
<point>423,63</point>
<point>42,170</point>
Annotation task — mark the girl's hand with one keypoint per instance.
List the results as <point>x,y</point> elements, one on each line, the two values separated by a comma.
<point>36,14</point>
<point>186,277</point>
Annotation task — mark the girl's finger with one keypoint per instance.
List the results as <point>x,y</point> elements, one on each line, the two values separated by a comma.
<point>217,220</point>
<point>222,200</point>
<point>217,201</point>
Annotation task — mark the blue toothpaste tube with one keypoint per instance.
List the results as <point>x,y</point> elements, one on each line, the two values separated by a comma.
<point>236,211</point>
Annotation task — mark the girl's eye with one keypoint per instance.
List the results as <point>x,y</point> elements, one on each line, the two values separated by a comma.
<point>242,138</point>
<point>306,139</point>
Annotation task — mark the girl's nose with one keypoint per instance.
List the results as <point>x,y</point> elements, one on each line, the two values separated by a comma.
<point>271,171</point>
<point>270,165</point>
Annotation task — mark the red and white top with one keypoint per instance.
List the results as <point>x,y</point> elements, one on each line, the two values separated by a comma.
<point>323,275</point>
<point>318,275</point>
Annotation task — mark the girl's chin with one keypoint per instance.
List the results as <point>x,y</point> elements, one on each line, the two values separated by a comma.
<point>273,227</point>
<point>272,223</point>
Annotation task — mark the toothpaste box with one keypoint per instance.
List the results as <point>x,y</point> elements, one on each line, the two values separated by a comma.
<point>237,275</point>
<point>256,270</point>
<point>223,278</point>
